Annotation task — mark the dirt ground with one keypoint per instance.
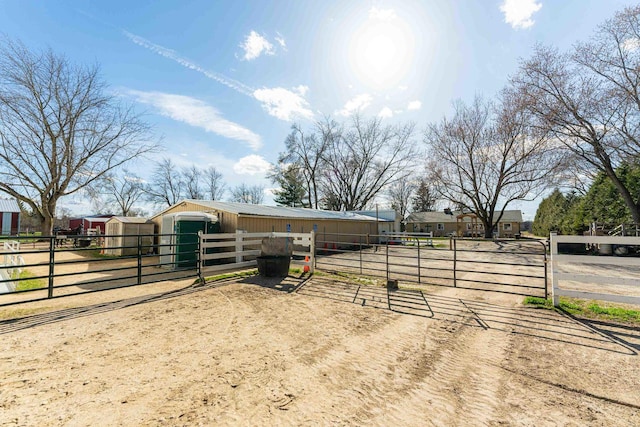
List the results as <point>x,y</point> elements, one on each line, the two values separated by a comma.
<point>311,352</point>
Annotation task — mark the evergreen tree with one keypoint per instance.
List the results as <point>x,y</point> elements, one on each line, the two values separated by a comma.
<point>603,204</point>
<point>551,214</point>
<point>424,200</point>
<point>293,189</point>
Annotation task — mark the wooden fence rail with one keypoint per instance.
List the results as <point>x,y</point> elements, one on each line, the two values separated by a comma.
<point>241,250</point>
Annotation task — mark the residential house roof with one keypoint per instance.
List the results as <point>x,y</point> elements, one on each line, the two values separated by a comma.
<point>441,217</point>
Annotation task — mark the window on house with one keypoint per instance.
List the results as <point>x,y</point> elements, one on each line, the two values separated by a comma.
<point>440,227</point>
<point>506,226</point>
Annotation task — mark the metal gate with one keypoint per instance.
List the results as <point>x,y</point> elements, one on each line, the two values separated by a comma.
<point>517,266</point>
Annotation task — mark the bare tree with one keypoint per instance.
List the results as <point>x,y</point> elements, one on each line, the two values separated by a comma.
<point>400,193</point>
<point>248,194</point>
<point>363,159</point>
<point>59,130</point>
<point>213,184</point>
<point>306,152</point>
<point>165,187</point>
<point>590,99</point>
<point>122,191</point>
<point>487,156</point>
<point>191,177</point>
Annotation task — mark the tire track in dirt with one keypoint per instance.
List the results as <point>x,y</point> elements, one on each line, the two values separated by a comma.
<point>398,371</point>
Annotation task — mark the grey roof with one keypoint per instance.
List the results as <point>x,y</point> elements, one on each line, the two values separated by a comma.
<point>279,211</point>
<point>130,219</point>
<point>386,215</point>
<point>508,216</point>
<point>9,205</point>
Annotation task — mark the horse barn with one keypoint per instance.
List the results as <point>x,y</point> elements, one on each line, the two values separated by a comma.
<point>259,218</point>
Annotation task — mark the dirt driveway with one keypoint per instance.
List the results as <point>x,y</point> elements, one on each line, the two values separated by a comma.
<point>309,352</point>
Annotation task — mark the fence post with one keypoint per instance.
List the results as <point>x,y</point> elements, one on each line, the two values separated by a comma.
<point>200,256</point>
<point>52,251</point>
<point>455,259</point>
<point>360,252</point>
<point>312,250</point>
<point>387,244</point>
<point>554,277</point>
<point>139,259</point>
<point>419,277</point>
<point>546,277</point>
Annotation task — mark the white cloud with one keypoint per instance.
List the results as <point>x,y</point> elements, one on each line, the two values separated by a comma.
<point>255,45</point>
<point>357,103</point>
<point>385,113</point>
<point>283,103</point>
<point>403,88</point>
<point>302,89</point>
<point>197,113</point>
<point>382,14</point>
<point>518,13</point>
<point>279,102</point>
<point>173,55</point>
<point>281,41</point>
<point>251,165</point>
<point>414,105</point>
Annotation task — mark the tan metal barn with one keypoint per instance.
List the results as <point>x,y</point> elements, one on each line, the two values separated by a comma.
<point>259,218</point>
<point>122,235</point>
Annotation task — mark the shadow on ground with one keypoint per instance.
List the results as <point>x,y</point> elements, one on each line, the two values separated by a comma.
<point>538,323</point>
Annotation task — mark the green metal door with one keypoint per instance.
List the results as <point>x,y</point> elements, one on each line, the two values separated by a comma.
<point>187,242</point>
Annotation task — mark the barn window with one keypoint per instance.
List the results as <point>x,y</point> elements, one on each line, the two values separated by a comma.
<point>440,226</point>
<point>506,226</point>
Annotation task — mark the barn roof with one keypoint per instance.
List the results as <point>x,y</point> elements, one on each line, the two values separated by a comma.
<point>130,219</point>
<point>9,205</point>
<point>508,216</point>
<point>278,211</point>
<point>384,215</point>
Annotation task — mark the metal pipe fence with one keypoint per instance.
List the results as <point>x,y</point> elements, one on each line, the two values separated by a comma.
<point>506,265</point>
<point>53,266</point>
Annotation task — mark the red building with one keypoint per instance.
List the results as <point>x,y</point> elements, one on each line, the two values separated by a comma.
<point>90,222</point>
<point>9,217</point>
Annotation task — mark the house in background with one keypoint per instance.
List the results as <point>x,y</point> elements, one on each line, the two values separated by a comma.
<point>462,225</point>
<point>9,217</point>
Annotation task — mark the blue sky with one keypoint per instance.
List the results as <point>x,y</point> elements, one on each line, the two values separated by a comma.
<point>222,81</point>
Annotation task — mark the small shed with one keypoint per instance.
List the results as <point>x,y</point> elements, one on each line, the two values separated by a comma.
<point>122,233</point>
<point>9,217</point>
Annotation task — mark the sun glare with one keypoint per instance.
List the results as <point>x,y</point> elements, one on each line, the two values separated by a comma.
<point>381,52</point>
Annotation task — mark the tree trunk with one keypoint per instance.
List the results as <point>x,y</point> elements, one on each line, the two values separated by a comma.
<point>47,226</point>
<point>626,195</point>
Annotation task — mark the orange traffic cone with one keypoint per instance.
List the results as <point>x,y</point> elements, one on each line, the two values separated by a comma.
<point>306,264</point>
